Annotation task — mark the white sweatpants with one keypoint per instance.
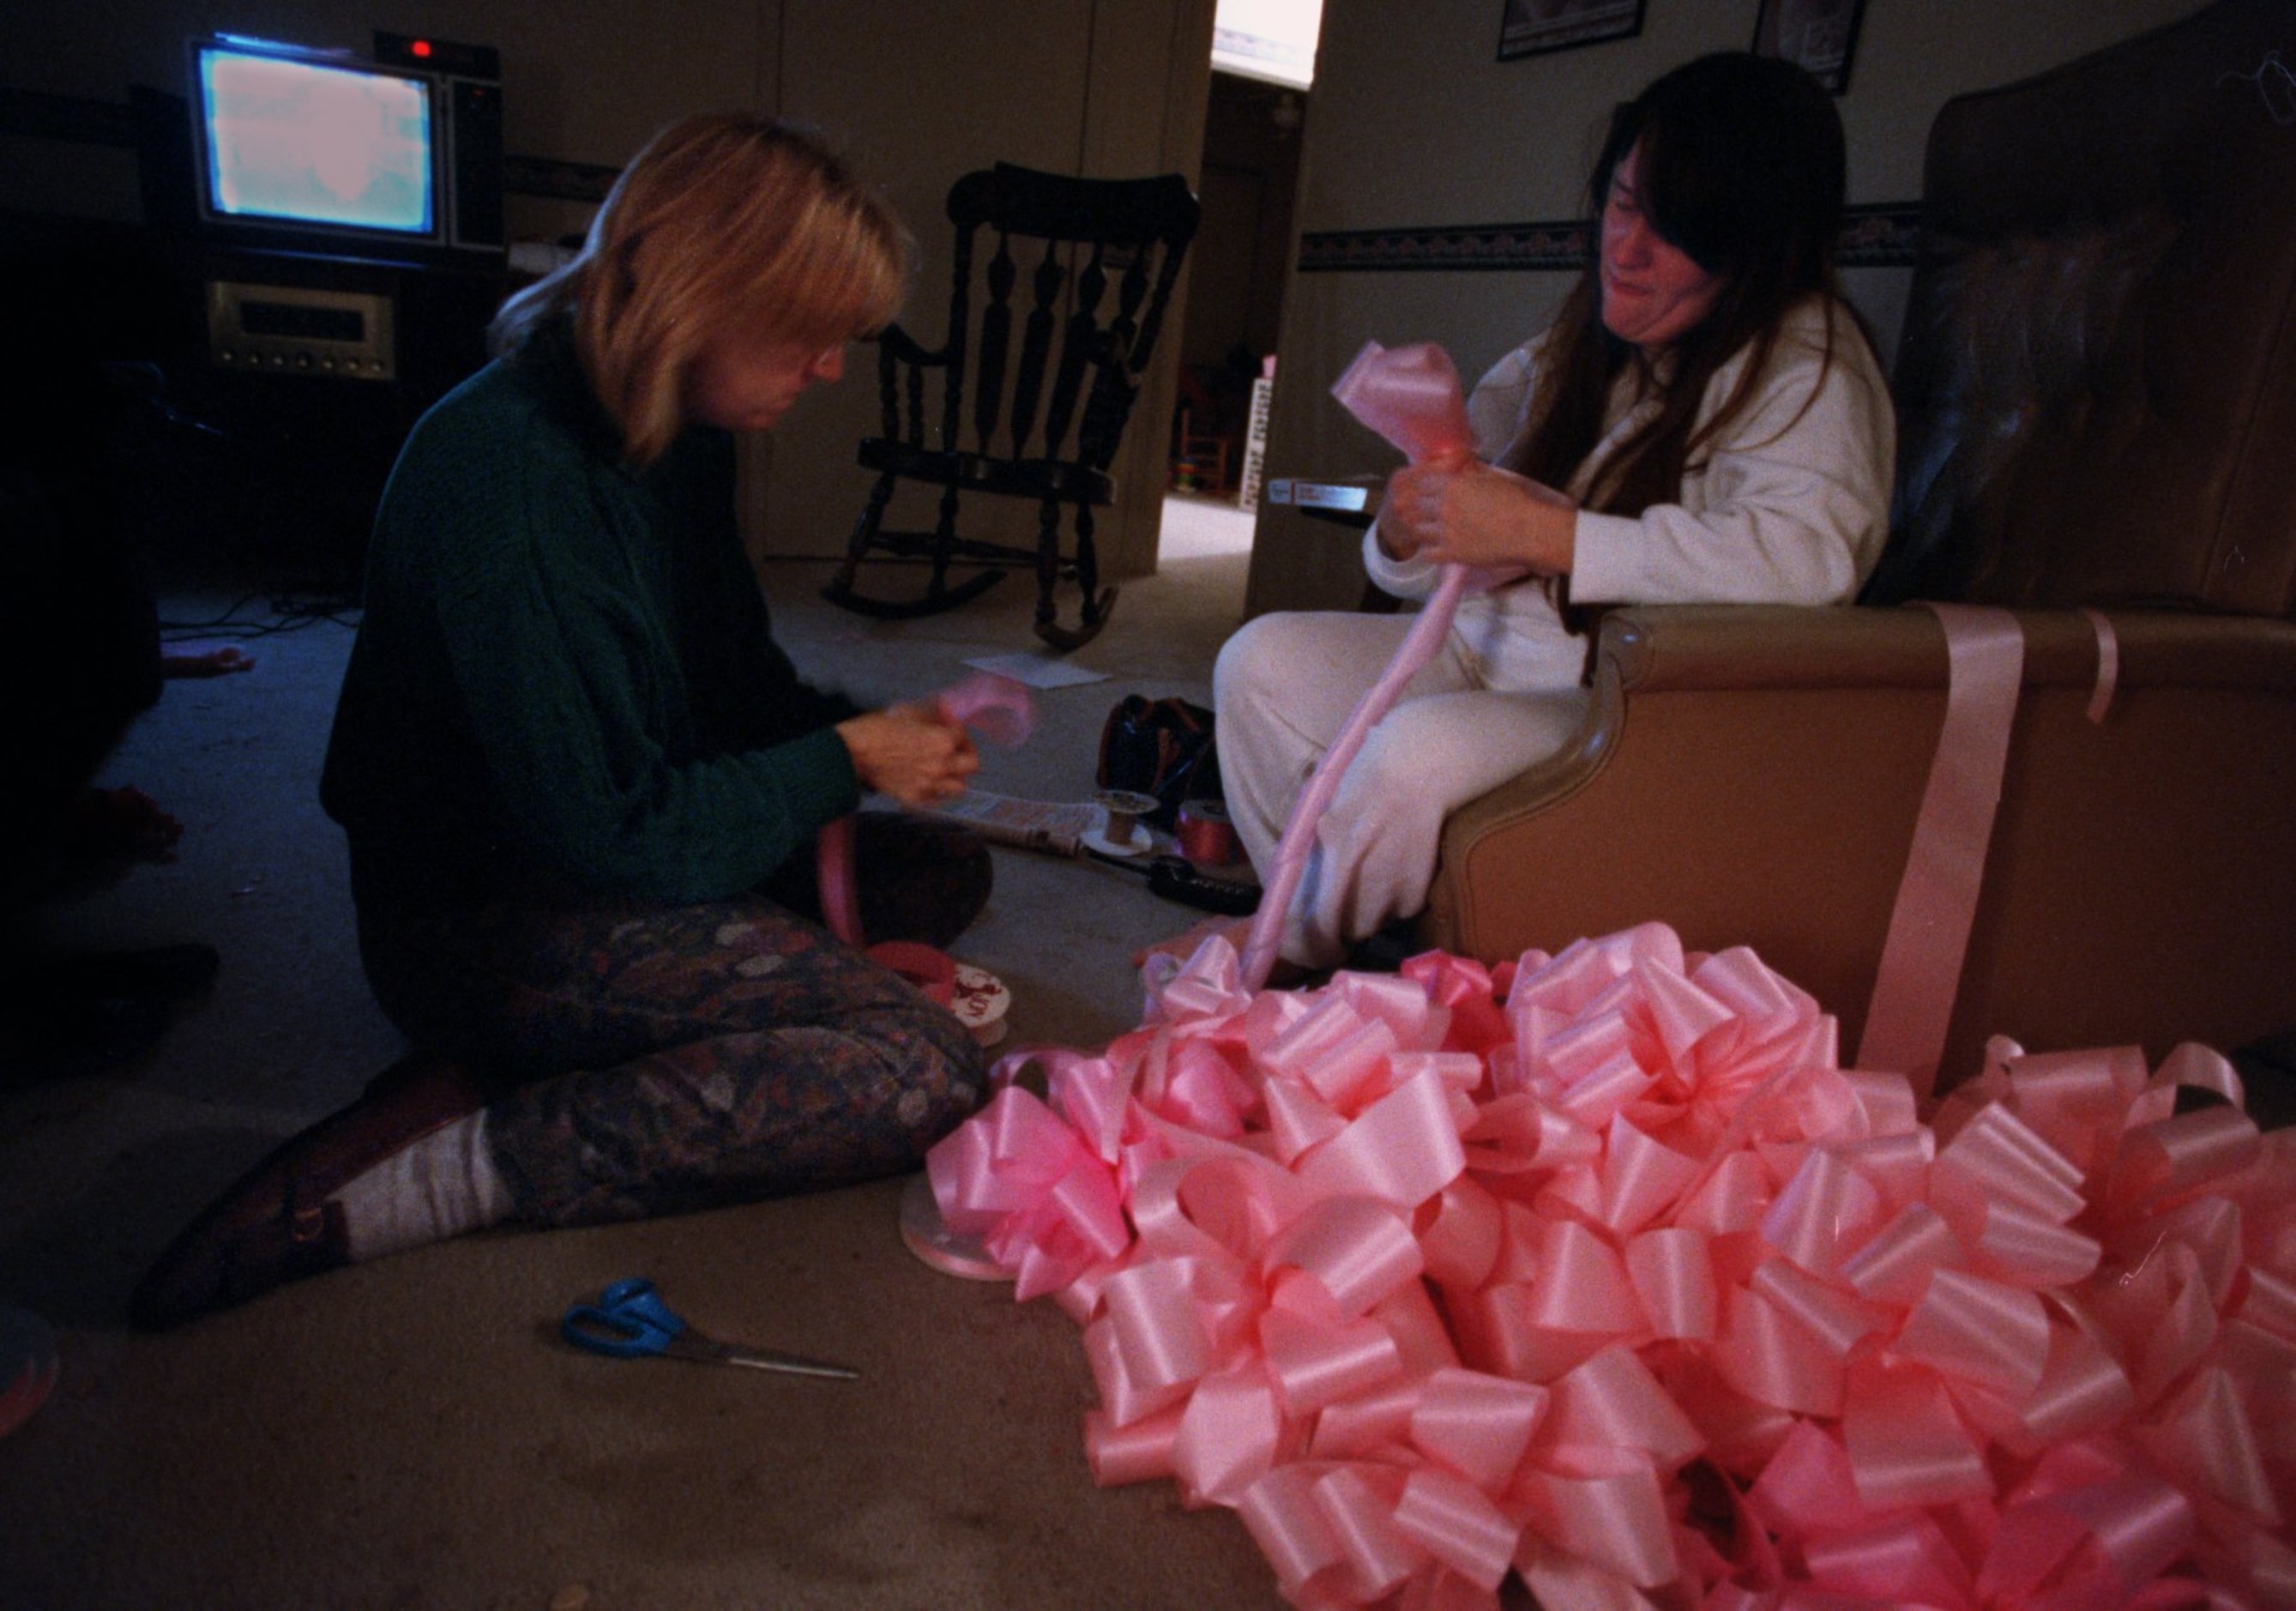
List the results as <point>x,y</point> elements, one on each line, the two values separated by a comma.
<point>1283,688</point>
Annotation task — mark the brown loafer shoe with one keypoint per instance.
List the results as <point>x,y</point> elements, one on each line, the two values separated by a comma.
<point>277,1224</point>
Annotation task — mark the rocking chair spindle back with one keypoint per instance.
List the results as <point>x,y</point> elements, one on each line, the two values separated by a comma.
<point>1086,268</point>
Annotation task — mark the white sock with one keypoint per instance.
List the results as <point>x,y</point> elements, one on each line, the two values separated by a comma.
<point>440,1186</point>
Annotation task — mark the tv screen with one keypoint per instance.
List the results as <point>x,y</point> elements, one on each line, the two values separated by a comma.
<point>293,139</point>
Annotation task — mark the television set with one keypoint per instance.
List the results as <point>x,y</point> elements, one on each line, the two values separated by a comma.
<point>300,149</point>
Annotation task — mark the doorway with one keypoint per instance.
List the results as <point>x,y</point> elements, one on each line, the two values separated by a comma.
<point>1248,186</point>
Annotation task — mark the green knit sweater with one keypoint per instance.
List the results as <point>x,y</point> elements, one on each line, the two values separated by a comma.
<point>564,679</point>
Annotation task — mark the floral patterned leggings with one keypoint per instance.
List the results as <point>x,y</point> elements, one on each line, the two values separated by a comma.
<point>645,1059</point>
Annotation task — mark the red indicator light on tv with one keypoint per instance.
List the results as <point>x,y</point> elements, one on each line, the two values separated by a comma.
<point>420,47</point>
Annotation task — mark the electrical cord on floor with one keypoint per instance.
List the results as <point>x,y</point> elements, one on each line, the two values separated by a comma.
<point>287,613</point>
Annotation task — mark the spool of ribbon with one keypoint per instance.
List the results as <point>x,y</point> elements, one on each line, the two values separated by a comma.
<point>927,1235</point>
<point>1206,836</point>
<point>1123,834</point>
<point>979,1001</point>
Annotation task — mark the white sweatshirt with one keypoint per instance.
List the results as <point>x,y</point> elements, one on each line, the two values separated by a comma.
<point>1779,509</point>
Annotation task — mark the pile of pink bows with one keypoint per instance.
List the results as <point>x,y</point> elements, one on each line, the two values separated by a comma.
<point>1601,1270</point>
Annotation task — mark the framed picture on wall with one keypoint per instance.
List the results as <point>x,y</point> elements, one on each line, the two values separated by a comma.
<point>1531,28</point>
<point>1818,34</point>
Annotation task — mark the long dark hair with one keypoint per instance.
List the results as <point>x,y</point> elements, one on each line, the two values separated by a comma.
<point>1742,168</point>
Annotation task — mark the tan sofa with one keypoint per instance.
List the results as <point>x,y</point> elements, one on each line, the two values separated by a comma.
<point>2096,386</point>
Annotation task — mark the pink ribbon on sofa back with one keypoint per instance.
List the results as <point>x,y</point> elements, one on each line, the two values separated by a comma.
<point>1920,971</point>
<point>1412,397</point>
<point>1919,976</point>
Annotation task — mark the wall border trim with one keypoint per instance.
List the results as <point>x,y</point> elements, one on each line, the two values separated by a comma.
<point>1884,235</point>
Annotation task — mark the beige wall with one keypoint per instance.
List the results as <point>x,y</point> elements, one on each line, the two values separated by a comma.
<point>918,91</point>
<point>1413,122</point>
<point>923,93</point>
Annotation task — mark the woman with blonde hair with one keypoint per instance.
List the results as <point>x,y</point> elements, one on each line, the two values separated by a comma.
<point>581,783</point>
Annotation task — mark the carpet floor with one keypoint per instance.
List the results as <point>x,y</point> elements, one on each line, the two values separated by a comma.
<point>412,1433</point>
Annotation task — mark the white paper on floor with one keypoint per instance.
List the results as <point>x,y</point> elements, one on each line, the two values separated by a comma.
<point>1037,670</point>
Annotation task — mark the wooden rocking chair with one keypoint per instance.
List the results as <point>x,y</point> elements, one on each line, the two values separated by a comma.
<point>1003,420</point>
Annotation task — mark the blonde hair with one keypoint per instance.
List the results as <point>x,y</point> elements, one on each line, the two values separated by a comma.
<point>724,221</point>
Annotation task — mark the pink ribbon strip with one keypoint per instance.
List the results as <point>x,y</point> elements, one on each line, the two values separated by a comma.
<point>1928,939</point>
<point>1412,397</point>
<point>1920,973</point>
<point>2108,665</point>
<point>997,708</point>
<point>833,876</point>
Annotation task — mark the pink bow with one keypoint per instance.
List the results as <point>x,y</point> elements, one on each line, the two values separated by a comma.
<point>1431,1283</point>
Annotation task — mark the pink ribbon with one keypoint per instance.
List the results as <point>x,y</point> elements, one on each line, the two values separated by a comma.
<point>1919,975</point>
<point>1426,1315</point>
<point>1000,711</point>
<point>1920,971</point>
<point>1412,397</point>
<point>2108,665</point>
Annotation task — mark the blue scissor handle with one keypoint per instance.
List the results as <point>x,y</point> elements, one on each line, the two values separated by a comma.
<point>629,1321</point>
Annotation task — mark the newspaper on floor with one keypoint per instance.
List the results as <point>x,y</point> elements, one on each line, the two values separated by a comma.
<point>1033,825</point>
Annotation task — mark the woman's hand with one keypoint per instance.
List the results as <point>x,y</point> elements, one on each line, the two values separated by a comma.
<point>911,753</point>
<point>1464,512</point>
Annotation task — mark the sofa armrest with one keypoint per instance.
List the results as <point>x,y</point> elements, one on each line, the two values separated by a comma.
<point>1751,776</point>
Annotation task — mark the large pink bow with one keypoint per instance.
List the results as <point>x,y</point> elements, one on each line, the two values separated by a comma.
<point>1605,1272</point>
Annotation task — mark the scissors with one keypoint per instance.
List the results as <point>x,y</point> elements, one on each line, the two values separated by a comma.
<point>629,1321</point>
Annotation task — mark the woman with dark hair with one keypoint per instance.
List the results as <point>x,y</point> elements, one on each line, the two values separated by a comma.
<point>581,783</point>
<point>1705,422</point>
